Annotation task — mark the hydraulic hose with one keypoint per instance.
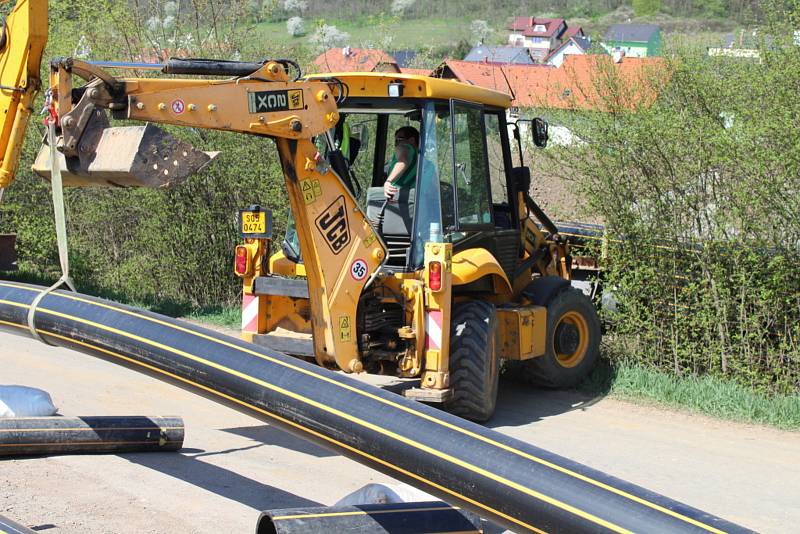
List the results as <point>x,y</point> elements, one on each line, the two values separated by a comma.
<point>22,436</point>
<point>518,485</point>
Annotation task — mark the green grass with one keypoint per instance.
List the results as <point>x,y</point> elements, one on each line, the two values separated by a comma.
<point>706,395</point>
<point>401,34</point>
<point>227,317</point>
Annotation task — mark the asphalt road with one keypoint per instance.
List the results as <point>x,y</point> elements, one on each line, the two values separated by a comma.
<point>232,466</point>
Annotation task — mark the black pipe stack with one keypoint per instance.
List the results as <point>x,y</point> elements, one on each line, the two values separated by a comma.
<point>518,485</point>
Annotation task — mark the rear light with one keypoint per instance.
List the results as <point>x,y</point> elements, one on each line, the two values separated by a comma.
<point>242,263</point>
<point>435,276</point>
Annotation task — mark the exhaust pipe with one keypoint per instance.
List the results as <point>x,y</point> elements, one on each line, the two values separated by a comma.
<point>411,517</point>
<point>24,436</point>
<point>497,477</point>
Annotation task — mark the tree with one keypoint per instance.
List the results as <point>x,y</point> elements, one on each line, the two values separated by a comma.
<point>643,8</point>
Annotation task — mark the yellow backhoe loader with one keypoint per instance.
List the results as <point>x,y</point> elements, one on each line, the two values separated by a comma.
<point>456,272</point>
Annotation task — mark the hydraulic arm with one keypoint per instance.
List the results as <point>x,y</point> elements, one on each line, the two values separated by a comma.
<point>22,43</point>
<point>333,232</point>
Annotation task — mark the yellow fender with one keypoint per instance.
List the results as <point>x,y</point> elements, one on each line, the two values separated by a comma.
<point>475,263</point>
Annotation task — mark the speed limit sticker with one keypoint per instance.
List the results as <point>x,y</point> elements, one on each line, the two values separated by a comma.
<point>358,270</point>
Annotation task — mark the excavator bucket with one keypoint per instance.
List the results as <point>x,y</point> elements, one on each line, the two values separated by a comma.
<point>125,156</point>
<point>23,37</point>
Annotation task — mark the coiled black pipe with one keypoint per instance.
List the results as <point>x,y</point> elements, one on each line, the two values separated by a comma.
<point>497,477</point>
<point>395,518</point>
<point>21,436</point>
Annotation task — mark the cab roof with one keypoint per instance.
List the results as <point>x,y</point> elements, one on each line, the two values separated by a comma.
<point>376,85</point>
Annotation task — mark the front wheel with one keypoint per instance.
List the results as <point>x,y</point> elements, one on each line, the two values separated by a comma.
<point>474,365</point>
<point>572,345</point>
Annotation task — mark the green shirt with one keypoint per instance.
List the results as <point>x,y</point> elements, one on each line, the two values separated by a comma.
<point>409,177</point>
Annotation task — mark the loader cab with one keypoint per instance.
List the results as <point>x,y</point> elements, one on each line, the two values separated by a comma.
<point>462,185</point>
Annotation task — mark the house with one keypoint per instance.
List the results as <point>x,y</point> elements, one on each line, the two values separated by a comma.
<point>349,59</point>
<point>540,35</point>
<point>577,44</point>
<point>634,40</point>
<point>500,54</point>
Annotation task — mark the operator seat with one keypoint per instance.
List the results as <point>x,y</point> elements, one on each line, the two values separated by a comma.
<point>398,221</point>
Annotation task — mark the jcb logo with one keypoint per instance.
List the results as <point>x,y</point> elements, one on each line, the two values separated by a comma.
<point>333,225</point>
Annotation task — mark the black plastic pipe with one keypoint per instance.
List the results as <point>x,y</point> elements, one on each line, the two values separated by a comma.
<point>8,526</point>
<point>22,436</point>
<point>498,477</point>
<point>395,518</point>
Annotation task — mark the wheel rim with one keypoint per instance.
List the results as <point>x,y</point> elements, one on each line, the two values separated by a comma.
<point>571,339</point>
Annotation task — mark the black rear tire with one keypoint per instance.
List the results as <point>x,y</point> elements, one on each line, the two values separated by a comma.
<point>572,346</point>
<point>474,364</point>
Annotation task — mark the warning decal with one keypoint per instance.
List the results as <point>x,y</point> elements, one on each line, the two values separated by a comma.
<point>311,190</point>
<point>345,328</point>
<point>178,106</point>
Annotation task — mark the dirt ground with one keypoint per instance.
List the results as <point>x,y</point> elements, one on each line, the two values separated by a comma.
<point>232,466</point>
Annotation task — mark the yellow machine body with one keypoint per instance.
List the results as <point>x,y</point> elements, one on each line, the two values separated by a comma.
<point>357,300</point>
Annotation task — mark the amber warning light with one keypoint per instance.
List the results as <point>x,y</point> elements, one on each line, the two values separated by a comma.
<point>435,276</point>
<point>242,265</point>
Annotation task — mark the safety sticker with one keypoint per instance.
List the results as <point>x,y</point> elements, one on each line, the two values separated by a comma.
<point>345,328</point>
<point>333,225</point>
<point>358,270</point>
<point>178,106</point>
<point>311,190</point>
<point>370,239</point>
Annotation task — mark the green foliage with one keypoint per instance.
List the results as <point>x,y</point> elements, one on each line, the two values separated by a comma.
<point>643,8</point>
<point>707,395</point>
<point>699,194</point>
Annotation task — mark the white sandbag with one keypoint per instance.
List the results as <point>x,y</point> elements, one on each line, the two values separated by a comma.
<point>22,401</point>
<point>385,494</point>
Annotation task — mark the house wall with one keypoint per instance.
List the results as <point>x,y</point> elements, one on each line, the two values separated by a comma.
<point>654,45</point>
<point>558,58</point>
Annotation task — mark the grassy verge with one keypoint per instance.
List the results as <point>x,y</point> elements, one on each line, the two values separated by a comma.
<point>705,395</point>
<point>227,317</point>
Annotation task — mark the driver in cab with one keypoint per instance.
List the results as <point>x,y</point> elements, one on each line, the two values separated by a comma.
<point>402,168</point>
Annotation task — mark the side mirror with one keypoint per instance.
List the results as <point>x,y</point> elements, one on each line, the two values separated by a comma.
<point>539,131</point>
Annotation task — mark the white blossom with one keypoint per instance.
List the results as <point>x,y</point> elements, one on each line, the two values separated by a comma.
<point>292,6</point>
<point>400,6</point>
<point>295,27</point>
<point>328,36</point>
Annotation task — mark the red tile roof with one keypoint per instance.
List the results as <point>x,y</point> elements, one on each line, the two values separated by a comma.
<point>570,32</point>
<point>355,60</point>
<point>419,72</point>
<point>577,84</point>
<point>526,25</point>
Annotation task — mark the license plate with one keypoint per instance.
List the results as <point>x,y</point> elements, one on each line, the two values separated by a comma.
<point>255,223</point>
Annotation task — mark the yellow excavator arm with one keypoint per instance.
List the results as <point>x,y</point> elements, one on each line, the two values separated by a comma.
<point>259,99</point>
<point>22,43</point>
